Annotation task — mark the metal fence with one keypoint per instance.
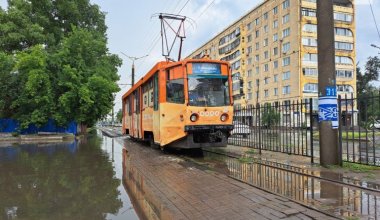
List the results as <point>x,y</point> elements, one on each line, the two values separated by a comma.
<point>292,128</point>
<point>280,126</point>
<point>359,132</point>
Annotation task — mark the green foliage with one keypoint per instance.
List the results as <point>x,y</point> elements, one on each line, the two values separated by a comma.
<point>119,116</point>
<point>35,102</point>
<point>269,116</point>
<point>55,62</point>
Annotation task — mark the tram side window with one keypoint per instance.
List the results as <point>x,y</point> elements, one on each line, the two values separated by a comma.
<point>130,105</point>
<point>155,91</point>
<point>174,86</point>
<point>137,101</point>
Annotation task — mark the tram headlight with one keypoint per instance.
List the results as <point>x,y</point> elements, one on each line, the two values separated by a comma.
<point>224,117</point>
<point>194,117</point>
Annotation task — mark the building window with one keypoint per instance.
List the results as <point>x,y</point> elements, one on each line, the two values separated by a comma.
<point>275,37</point>
<point>257,58</point>
<point>310,57</point>
<point>310,28</point>
<point>235,65</point>
<point>342,17</point>
<point>275,78</point>
<point>249,26</point>
<point>275,24</point>
<point>286,47</point>
<point>249,50</point>
<point>257,21</point>
<point>286,61</point>
<point>286,75</point>
<point>249,96</point>
<point>345,88</point>
<point>266,28</point>
<point>235,76</point>
<point>257,33</point>
<point>257,45</point>
<point>286,90</point>
<point>343,32</point>
<point>344,73</point>
<point>265,15</point>
<point>309,12</point>
<point>285,19</point>
<point>275,10</point>
<point>286,32</point>
<point>249,61</point>
<point>343,45</point>
<point>310,88</point>
<point>257,70</point>
<point>311,42</point>
<point>275,51</point>
<point>266,67</point>
<point>285,4</point>
<point>310,71</point>
<point>250,85</point>
<point>343,60</point>
<point>249,73</point>
<point>266,93</point>
<point>266,42</point>
<point>266,55</point>
<point>275,64</point>
<point>257,82</point>
<point>266,80</point>
<point>249,38</point>
<point>275,91</point>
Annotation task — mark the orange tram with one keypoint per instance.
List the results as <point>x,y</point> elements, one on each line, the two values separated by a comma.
<point>184,104</point>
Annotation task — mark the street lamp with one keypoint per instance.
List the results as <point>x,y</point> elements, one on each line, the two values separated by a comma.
<point>373,45</point>
<point>133,65</point>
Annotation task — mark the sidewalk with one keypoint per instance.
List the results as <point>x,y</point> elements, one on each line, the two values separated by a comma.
<point>175,189</point>
<point>352,171</point>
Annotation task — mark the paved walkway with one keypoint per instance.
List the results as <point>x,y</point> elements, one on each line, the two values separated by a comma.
<point>175,189</point>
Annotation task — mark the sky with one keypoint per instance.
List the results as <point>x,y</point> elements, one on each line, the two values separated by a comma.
<point>134,28</point>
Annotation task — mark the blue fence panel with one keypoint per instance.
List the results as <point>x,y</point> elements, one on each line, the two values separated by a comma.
<point>10,125</point>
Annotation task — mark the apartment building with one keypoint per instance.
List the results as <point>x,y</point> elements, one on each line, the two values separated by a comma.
<point>273,52</point>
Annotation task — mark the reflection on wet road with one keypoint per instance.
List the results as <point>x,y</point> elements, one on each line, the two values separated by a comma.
<point>78,180</point>
<point>334,198</point>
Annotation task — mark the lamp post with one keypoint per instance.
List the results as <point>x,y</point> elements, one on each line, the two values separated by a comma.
<point>375,46</point>
<point>133,59</point>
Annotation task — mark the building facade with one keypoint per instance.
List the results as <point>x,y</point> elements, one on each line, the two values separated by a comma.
<point>273,52</point>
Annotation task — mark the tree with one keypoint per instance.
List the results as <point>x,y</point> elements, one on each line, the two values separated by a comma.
<point>35,102</point>
<point>372,69</point>
<point>55,50</point>
<point>119,116</point>
<point>85,79</point>
<point>269,116</point>
<point>7,86</point>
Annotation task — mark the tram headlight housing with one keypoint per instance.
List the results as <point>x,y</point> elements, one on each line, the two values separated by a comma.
<point>194,117</point>
<point>224,117</point>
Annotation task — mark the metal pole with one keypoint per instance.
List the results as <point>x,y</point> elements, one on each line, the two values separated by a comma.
<point>133,73</point>
<point>328,137</point>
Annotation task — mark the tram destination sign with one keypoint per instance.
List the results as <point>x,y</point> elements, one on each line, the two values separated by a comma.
<point>206,68</point>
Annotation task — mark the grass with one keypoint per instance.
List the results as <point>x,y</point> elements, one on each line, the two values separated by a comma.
<point>251,151</point>
<point>246,160</point>
<point>350,135</point>
<point>359,168</point>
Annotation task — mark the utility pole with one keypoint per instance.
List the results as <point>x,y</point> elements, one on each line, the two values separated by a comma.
<point>133,65</point>
<point>327,111</point>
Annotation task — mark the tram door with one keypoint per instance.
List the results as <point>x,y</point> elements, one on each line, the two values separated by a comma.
<point>137,114</point>
<point>156,110</point>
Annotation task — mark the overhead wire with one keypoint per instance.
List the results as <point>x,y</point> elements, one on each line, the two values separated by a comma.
<point>374,18</point>
<point>158,35</point>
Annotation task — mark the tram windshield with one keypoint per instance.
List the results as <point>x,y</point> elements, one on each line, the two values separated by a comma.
<point>208,91</point>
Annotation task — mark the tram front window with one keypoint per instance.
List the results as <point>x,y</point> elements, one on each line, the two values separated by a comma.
<point>208,91</point>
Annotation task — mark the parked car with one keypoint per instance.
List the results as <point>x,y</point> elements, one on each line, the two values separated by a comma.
<point>241,129</point>
<point>376,124</point>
